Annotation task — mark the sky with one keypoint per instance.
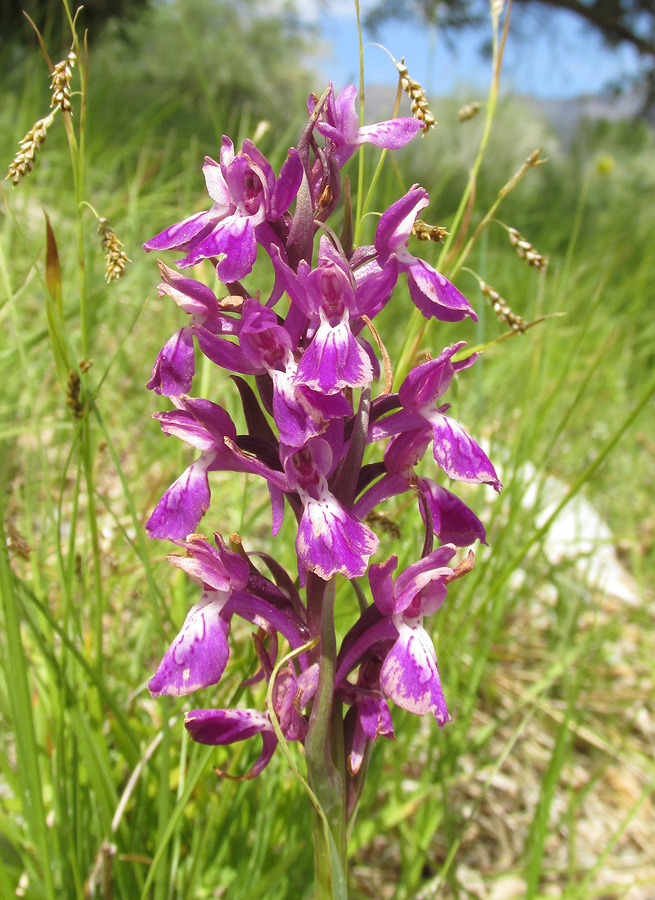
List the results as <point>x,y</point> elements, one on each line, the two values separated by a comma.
<point>554,57</point>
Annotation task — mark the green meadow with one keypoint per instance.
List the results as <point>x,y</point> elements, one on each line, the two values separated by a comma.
<point>542,785</point>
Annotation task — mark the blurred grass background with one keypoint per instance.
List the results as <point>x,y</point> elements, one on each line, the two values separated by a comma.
<point>542,784</point>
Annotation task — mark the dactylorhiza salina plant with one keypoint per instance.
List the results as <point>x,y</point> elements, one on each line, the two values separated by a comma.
<point>311,356</point>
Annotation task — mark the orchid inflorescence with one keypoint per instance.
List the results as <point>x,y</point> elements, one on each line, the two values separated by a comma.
<point>310,418</point>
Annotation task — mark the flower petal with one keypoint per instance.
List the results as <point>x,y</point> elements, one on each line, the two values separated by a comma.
<point>410,676</point>
<point>198,655</point>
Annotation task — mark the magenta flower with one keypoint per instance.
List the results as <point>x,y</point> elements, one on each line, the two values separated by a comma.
<point>339,123</point>
<point>247,197</point>
<point>431,293</point>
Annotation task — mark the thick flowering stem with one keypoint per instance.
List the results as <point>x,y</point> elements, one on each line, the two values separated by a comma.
<point>324,753</point>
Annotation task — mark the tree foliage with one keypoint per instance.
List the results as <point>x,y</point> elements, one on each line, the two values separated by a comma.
<point>629,22</point>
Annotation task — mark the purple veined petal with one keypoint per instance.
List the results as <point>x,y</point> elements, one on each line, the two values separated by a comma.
<point>174,368</point>
<point>392,134</point>
<point>193,297</point>
<point>459,455</point>
<point>434,296</point>
<point>404,420</point>
<point>420,589</point>
<point>286,694</point>
<point>410,677</point>
<point>346,112</point>
<point>453,521</point>
<point>384,488</point>
<point>301,413</point>
<point>224,353</point>
<point>233,238</point>
<point>216,184</point>
<point>380,577</point>
<point>277,507</point>
<point>198,422</point>
<point>429,381</point>
<point>395,225</point>
<point>375,289</point>
<point>198,655</point>
<point>227,726</point>
<point>287,184</point>
<point>248,188</point>
<point>330,540</point>
<point>218,568</point>
<point>181,424</point>
<point>259,162</point>
<point>226,154</point>
<point>334,360</point>
<point>183,505</point>
<point>178,236</point>
<point>373,720</point>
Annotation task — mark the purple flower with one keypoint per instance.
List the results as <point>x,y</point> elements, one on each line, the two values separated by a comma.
<point>431,293</point>
<point>339,123</point>
<point>334,359</point>
<point>208,428</point>
<point>227,726</point>
<point>409,674</point>
<point>454,450</point>
<point>174,367</point>
<point>330,538</point>
<point>452,521</point>
<point>246,198</point>
<point>198,655</point>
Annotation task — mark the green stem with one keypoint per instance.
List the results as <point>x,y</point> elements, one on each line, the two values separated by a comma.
<point>418,325</point>
<point>324,754</point>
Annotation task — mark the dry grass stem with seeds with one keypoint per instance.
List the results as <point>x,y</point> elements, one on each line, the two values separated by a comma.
<point>116,258</point>
<point>23,163</point>
<point>415,92</point>
<point>502,309</point>
<point>526,251</point>
<point>465,113</point>
<point>61,83</point>
<point>424,232</point>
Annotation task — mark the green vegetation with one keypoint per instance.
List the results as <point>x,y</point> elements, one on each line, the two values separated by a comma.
<point>543,782</point>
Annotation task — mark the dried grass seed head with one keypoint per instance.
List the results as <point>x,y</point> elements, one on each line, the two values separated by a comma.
<point>465,113</point>
<point>502,309</point>
<point>23,163</point>
<point>526,251</point>
<point>424,232</point>
<point>60,82</point>
<point>116,258</point>
<point>415,92</point>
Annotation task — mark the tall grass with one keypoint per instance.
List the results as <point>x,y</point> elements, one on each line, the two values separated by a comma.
<point>101,793</point>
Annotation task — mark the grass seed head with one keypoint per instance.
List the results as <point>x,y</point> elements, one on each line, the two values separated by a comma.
<point>424,232</point>
<point>501,308</point>
<point>60,83</point>
<point>23,163</point>
<point>73,400</point>
<point>526,251</point>
<point>116,258</point>
<point>468,112</point>
<point>415,92</point>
